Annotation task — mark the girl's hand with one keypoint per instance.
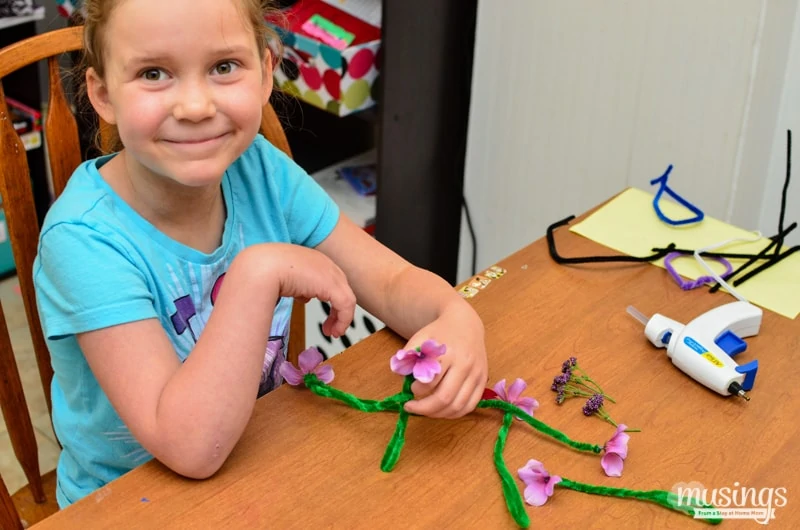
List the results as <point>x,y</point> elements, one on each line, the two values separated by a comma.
<point>456,390</point>
<point>306,273</point>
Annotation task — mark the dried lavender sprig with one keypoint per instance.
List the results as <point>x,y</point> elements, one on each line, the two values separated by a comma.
<point>583,380</point>
<point>585,377</point>
<point>565,383</point>
<point>594,406</point>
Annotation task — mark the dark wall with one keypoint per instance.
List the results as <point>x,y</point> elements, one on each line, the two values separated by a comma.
<point>427,76</point>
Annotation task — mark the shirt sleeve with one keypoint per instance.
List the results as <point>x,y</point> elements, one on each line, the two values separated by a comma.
<point>86,280</point>
<point>310,213</point>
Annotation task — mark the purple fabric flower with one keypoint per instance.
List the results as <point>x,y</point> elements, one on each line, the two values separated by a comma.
<point>514,393</point>
<point>539,484</point>
<point>310,361</point>
<point>616,451</point>
<point>422,363</point>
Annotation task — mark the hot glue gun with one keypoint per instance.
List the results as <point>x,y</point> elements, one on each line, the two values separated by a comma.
<point>704,348</point>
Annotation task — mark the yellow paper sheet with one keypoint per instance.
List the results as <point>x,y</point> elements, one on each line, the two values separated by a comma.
<point>629,224</point>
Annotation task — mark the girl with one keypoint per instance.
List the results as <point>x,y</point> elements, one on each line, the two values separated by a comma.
<point>199,211</point>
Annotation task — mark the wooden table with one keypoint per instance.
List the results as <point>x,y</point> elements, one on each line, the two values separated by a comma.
<point>309,462</point>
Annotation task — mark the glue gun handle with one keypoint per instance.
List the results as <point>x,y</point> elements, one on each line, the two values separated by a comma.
<point>742,318</point>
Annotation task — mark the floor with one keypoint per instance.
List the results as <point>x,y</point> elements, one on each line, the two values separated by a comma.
<point>26,363</point>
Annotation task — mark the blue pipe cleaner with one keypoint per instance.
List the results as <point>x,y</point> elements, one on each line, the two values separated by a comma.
<point>662,181</point>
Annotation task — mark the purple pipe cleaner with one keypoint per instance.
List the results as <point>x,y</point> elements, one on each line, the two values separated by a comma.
<point>687,285</point>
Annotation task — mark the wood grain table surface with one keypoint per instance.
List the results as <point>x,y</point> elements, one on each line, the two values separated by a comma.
<point>309,462</point>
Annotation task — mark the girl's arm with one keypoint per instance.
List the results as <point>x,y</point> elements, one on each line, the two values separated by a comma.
<point>418,305</point>
<point>190,415</point>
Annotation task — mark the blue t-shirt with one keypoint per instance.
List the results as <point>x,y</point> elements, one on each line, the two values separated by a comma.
<point>101,264</point>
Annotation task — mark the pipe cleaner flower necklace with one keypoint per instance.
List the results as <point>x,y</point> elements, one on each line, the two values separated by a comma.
<point>422,364</point>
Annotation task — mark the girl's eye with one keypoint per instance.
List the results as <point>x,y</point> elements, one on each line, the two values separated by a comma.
<point>225,68</point>
<point>153,74</point>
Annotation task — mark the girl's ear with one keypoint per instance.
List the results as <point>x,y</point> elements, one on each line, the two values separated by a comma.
<point>97,90</point>
<point>267,77</point>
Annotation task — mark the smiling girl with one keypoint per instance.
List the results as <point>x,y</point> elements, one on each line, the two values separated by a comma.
<point>166,271</point>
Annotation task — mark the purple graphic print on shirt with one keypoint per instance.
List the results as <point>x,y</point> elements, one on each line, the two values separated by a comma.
<point>183,321</point>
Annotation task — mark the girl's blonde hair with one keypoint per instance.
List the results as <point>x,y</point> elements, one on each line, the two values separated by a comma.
<point>95,16</point>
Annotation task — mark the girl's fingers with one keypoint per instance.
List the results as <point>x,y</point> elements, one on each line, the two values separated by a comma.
<point>420,390</point>
<point>436,403</point>
<point>454,396</point>
<point>468,398</point>
<point>343,307</point>
<point>459,405</point>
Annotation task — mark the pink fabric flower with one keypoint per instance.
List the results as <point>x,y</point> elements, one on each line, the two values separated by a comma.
<point>310,362</point>
<point>616,451</point>
<point>512,395</point>
<point>423,363</point>
<point>539,484</point>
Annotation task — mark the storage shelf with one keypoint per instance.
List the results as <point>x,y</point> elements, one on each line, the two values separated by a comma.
<point>8,22</point>
<point>31,140</point>
<point>360,209</point>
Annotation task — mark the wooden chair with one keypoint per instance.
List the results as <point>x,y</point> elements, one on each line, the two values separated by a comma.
<point>37,500</point>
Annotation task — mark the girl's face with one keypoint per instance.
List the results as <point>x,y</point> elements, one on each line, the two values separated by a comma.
<point>184,85</point>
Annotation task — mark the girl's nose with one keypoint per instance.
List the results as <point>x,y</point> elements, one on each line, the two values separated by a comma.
<point>195,103</point>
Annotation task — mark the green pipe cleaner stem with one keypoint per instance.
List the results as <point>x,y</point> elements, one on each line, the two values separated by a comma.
<point>392,403</point>
<point>538,425</point>
<point>666,499</point>
<point>513,499</point>
<point>395,404</point>
<point>510,490</point>
<point>392,454</point>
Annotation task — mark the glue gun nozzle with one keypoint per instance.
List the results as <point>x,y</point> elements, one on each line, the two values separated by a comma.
<point>736,389</point>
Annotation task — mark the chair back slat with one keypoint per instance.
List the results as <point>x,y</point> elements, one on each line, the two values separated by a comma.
<point>60,131</point>
<point>61,134</point>
<point>108,134</point>
<point>15,184</point>
<point>15,412</point>
<point>273,131</point>
<point>8,513</point>
<point>23,231</point>
<point>39,47</point>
